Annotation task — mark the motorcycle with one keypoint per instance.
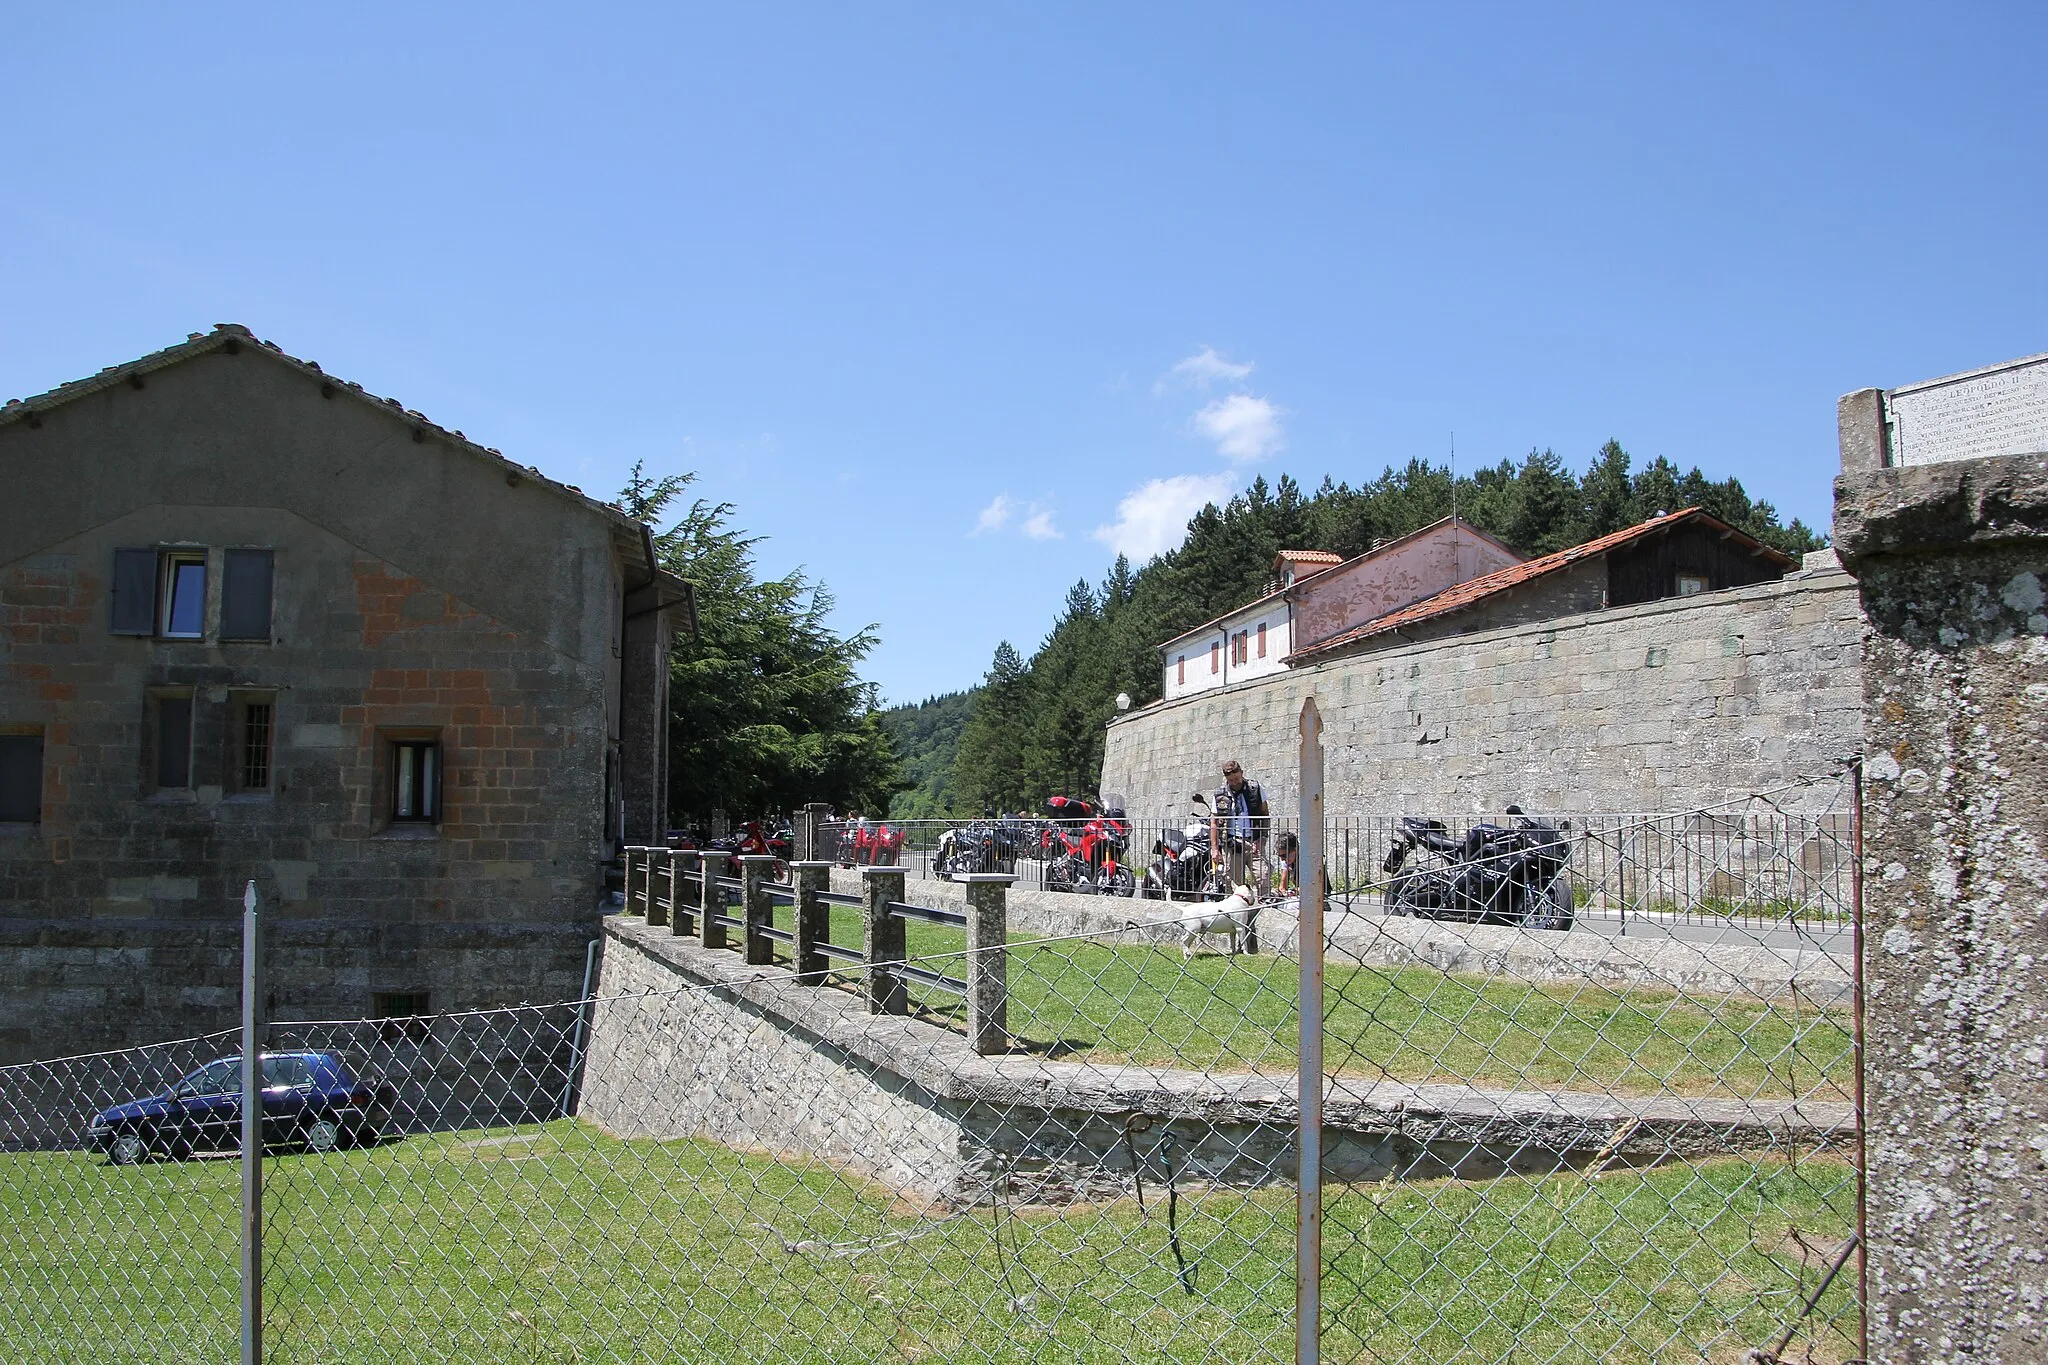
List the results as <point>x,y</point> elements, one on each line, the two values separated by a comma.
<point>1495,874</point>
<point>981,846</point>
<point>1083,842</point>
<point>753,838</point>
<point>867,843</point>
<point>1182,868</point>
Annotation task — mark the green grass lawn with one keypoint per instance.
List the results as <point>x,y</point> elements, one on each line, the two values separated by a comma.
<point>1142,1003</point>
<point>556,1243</point>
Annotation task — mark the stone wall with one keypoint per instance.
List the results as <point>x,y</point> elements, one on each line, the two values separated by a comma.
<point>1666,706</point>
<point>1952,560</point>
<point>692,1042</point>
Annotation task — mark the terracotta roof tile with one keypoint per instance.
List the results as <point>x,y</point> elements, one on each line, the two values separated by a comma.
<point>1471,591</point>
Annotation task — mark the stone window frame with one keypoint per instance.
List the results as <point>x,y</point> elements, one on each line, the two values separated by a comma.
<point>37,733</point>
<point>389,739</point>
<point>154,748</point>
<point>169,562</point>
<point>403,1014</point>
<point>240,702</point>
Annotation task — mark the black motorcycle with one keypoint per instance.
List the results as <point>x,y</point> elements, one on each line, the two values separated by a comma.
<point>1182,868</point>
<point>1494,874</point>
<point>980,846</point>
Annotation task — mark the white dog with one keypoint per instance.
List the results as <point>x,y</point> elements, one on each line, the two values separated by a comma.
<point>1232,915</point>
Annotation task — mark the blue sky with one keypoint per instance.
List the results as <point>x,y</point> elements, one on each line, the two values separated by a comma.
<point>953,300</point>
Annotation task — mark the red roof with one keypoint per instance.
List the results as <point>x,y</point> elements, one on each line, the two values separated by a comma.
<point>1473,590</point>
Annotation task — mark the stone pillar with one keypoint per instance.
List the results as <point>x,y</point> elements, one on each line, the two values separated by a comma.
<point>711,904</point>
<point>756,910</point>
<point>988,1015</point>
<point>1859,418</point>
<point>810,832</point>
<point>883,939</point>
<point>682,920</point>
<point>813,919</point>
<point>1952,563</point>
<point>657,905</point>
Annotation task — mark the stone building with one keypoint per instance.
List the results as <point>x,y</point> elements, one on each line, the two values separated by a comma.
<point>1315,595</point>
<point>1679,554</point>
<point>257,624</point>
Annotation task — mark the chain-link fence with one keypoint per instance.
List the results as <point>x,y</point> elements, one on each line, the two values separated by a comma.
<point>1538,1144</point>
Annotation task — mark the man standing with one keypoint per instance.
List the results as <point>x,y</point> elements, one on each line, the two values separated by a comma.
<point>1241,810</point>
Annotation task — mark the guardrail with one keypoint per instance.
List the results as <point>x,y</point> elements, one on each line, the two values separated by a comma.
<point>682,889</point>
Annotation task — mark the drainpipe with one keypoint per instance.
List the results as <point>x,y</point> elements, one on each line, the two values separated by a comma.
<point>576,1044</point>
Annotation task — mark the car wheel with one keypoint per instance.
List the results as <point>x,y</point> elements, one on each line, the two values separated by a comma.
<point>128,1148</point>
<point>321,1135</point>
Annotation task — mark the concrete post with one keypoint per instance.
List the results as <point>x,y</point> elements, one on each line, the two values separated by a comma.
<point>657,904</point>
<point>1952,563</point>
<point>1859,425</point>
<point>711,904</point>
<point>988,1012</point>
<point>882,940</point>
<point>813,919</point>
<point>810,828</point>
<point>756,910</point>
<point>682,919</point>
<point>628,858</point>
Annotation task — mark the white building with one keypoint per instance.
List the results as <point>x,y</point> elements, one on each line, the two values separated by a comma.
<point>1249,642</point>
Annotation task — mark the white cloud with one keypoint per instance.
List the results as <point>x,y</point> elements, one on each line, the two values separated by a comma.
<point>1038,526</point>
<point>1243,427</point>
<point>1202,369</point>
<point>995,516</point>
<point>1153,518</point>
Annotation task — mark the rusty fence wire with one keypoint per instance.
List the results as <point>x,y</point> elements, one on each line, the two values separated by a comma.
<point>1539,1144</point>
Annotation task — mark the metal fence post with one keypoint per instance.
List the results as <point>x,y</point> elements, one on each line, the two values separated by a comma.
<point>252,1136</point>
<point>988,1019</point>
<point>756,910</point>
<point>813,919</point>
<point>882,939</point>
<point>710,900</point>
<point>657,907</point>
<point>1308,1221</point>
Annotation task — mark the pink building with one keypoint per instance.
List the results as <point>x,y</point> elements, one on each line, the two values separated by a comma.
<point>1393,575</point>
<point>1315,597</point>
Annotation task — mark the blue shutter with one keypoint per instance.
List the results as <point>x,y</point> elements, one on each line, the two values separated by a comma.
<point>133,609</point>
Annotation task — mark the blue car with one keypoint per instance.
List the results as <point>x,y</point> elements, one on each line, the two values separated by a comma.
<point>309,1099</point>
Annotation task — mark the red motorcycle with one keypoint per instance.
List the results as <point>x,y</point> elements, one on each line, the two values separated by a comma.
<point>1083,846</point>
<point>871,844</point>
<point>754,838</point>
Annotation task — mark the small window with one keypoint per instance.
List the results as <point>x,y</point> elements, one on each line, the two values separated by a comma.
<point>1182,665</point>
<point>21,779</point>
<point>1262,639</point>
<point>173,714</point>
<point>254,726</point>
<point>415,781</point>
<point>1691,584</point>
<point>1215,655</point>
<point>245,595</point>
<point>403,1014</point>
<point>183,616</point>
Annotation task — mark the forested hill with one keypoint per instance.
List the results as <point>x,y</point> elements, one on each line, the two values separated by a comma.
<point>925,736</point>
<point>1036,727</point>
